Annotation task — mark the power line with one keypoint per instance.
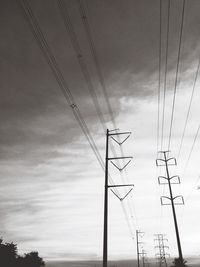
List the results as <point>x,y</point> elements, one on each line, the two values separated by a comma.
<point>165,74</point>
<point>86,24</point>
<point>75,44</point>
<point>159,76</point>
<point>35,29</point>
<point>39,36</point>
<point>192,189</point>
<point>77,48</point>
<point>176,77</point>
<point>189,108</point>
<point>37,32</point>
<point>191,150</point>
<point>94,55</point>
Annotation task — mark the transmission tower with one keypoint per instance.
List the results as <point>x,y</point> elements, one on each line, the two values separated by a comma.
<point>144,258</point>
<point>139,243</point>
<point>112,134</point>
<point>161,248</point>
<point>166,162</point>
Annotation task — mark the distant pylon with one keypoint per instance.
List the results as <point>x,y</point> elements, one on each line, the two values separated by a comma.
<point>144,259</point>
<point>161,250</point>
<point>139,243</point>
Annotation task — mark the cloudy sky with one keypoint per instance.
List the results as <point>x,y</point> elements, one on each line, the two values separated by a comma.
<point>52,184</point>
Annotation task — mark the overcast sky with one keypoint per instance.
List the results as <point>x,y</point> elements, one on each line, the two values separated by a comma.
<point>51,190</point>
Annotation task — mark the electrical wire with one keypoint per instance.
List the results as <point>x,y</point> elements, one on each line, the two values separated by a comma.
<point>76,46</point>
<point>38,34</point>
<point>191,150</point>
<point>165,74</point>
<point>189,108</point>
<point>159,76</point>
<point>88,31</point>
<point>177,71</point>
<point>193,188</point>
<point>82,11</point>
<point>94,55</point>
<point>93,51</point>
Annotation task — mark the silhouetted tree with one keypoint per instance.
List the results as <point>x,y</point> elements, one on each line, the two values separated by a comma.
<point>10,258</point>
<point>179,263</point>
<point>8,254</point>
<point>32,259</point>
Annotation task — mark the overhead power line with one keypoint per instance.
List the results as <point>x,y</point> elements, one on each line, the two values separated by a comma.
<point>191,150</point>
<point>159,75</point>
<point>189,108</point>
<point>95,58</point>
<point>177,71</point>
<point>165,74</point>
<point>76,46</point>
<point>88,31</point>
<point>38,34</point>
<point>51,60</point>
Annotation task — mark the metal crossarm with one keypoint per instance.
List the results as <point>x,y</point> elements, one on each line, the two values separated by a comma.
<point>120,185</point>
<point>175,203</point>
<point>120,158</point>
<point>165,178</point>
<point>166,161</point>
<point>110,134</point>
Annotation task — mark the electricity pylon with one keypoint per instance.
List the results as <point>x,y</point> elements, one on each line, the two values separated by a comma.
<point>161,248</point>
<point>139,243</point>
<point>176,179</point>
<point>111,134</point>
<point>143,256</point>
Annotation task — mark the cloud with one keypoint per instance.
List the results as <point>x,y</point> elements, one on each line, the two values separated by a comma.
<point>51,183</point>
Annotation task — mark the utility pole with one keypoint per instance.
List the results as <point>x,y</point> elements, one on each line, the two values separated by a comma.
<point>165,161</point>
<point>138,234</point>
<point>112,134</point>
<point>161,246</point>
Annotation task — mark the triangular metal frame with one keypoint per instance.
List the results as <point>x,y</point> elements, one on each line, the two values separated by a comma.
<point>120,143</point>
<point>120,169</point>
<point>121,198</point>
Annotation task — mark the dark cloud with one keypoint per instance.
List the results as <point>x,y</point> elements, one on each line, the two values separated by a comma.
<point>126,35</point>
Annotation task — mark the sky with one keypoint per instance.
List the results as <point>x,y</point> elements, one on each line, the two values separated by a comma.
<point>52,185</point>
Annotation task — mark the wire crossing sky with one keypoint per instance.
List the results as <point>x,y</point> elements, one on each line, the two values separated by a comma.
<point>69,71</point>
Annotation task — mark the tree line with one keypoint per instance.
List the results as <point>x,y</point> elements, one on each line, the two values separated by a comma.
<point>9,257</point>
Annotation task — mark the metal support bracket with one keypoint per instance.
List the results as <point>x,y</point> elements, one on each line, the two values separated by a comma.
<point>122,198</point>
<point>121,169</point>
<point>175,203</point>
<point>173,177</point>
<point>120,143</point>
